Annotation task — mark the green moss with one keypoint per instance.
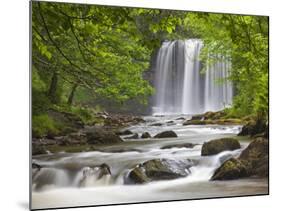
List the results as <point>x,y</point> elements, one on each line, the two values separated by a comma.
<point>43,125</point>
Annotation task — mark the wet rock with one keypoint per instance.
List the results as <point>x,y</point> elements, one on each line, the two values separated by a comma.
<point>219,145</point>
<point>253,161</point>
<point>166,134</point>
<point>160,169</point>
<point>145,135</point>
<point>257,155</point>
<point>101,136</point>
<point>180,118</point>
<point>156,124</point>
<point>170,122</point>
<point>214,122</point>
<point>198,117</point>
<point>231,169</point>
<point>104,170</point>
<point>124,132</point>
<point>186,145</point>
<point>135,136</point>
<point>253,128</point>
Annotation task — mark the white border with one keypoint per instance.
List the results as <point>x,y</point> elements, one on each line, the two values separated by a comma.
<point>14,89</point>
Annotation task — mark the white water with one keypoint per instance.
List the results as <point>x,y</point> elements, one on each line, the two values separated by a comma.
<point>181,88</point>
<point>70,179</point>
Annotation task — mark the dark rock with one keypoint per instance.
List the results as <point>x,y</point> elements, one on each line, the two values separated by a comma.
<point>104,170</point>
<point>160,169</point>
<point>257,155</point>
<point>186,145</point>
<point>170,122</point>
<point>198,117</point>
<point>124,132</point>
<point>253,128</point>
<point>219,145</point>
<point>156,124</point>
<point>101,136</point>
<point>231,169</point>
<point>166,134</point>
<point>38,149</point>
<point>145,135</point>
<point>135,136</point>
<point>36,166</point>
<point>180,118</point>
<point>253,161</point>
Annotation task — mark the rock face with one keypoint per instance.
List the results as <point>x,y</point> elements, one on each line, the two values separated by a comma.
<point>218,145</point>
<point>253,161</point>
<point>101,136</point>
<point>159,169</point>
<point>145,135</point>
<point>166,134</point>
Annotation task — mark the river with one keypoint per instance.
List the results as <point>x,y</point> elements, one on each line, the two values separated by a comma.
<point>58,184</point>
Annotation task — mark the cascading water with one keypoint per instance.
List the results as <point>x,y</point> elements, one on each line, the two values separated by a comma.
<point>181,88</point>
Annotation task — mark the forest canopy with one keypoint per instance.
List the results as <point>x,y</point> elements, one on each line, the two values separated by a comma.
<point>81,53</point>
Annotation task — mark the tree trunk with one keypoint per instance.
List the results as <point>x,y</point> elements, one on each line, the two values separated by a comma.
<point>53,88</point>
<point>71,96</point>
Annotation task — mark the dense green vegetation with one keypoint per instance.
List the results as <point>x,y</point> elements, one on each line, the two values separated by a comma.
<point>82,53</point>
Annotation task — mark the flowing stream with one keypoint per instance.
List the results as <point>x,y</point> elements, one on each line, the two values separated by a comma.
<point>71,179</point>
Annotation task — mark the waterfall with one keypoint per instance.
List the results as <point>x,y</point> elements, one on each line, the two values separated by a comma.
<point>180,86</point>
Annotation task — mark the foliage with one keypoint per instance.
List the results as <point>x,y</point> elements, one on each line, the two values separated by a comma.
<point>42,125</point>
<point>81,53</point>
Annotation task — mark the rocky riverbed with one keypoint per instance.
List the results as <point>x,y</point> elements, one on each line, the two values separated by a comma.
<point>152,159</point>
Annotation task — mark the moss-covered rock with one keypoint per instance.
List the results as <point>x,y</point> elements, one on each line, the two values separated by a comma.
<point>159,169</point>
<point>219,145</point>
<point>253,161</point>
<point>257,154</point>
<point>166,134</point>
<point>96,135</point>
<point>231,169</point>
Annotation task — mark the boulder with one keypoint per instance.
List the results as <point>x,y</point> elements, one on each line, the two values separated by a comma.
<point>135,136</point>
<point>145,135</point>
<point>159,169</point>
<point>156,124</point>
<point>124,132</point>
<point>101,136</point>
<point>104,169</point>
<point>166,134</point>
<point>219,145</point>
<point>257,155</point>
<point>253,161</point>
<point>254,127</point>
<point>186,145</point>
<point>231,169</point>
